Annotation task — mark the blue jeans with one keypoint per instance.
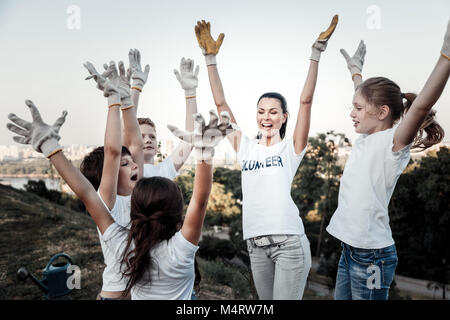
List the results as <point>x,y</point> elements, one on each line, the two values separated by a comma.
<point>280,270</point>
<point>365,274</point>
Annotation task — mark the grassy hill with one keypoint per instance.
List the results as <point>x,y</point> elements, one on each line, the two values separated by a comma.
<point>32,230</point>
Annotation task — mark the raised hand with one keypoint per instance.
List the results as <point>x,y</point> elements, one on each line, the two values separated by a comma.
<point>356,62</point>
<point>135,71</point>
<point>41,136</point>
<point>321,43</point>
<point>187,76</point>
<point>108,82</point>
<point>209,46</point>
<point>205,138</point>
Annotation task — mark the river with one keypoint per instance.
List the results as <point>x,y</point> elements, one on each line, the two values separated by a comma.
<point>18,183</point>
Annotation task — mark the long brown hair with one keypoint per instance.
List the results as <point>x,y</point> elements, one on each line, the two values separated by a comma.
<point>156,215</point>
<point>379,91</point>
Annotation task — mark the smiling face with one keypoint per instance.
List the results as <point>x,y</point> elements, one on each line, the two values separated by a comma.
<point>367,118</point>
<point>128,175</point>
<point>270,117</point>
<point>150,142</point>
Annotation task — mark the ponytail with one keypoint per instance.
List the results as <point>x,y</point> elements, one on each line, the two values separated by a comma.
<point>156,214</point>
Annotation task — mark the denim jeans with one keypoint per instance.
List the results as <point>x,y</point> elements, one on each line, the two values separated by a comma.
<point>280,270</point>
<point>365,274</point>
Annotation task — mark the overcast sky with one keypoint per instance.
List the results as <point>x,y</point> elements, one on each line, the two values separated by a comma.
<point>266,48</point>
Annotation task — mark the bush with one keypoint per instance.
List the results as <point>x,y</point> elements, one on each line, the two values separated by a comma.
<point>212,248</point>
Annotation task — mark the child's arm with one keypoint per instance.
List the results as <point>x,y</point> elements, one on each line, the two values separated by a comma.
<point>355,63</point>
<point>44,139</point>
<point>203,139</point>
<point>301,130</point>
<point>188,79</point>
<point>132,137</point>
<point>410,125</point>
<point>109,83</point>
<point>210,48</point>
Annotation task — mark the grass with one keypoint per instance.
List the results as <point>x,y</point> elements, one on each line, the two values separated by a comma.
<point>32,230</point>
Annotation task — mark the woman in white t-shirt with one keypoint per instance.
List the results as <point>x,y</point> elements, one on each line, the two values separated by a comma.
<point>278,247</point>
<point>379,155</point>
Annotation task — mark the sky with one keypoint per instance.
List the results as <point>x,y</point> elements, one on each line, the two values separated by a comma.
<point>267,47</point>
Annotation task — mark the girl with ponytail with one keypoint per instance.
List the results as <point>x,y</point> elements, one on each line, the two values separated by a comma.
<point>391,123</point>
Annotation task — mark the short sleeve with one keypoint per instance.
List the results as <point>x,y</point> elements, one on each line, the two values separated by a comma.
<point>401,154</point>
<point>183,251</point>
<point>169,168</point>
<point>243,146</point>
<point>292,147</point>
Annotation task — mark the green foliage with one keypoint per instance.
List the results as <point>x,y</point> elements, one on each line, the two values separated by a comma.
<point>39,188</point>
<point>212,248</point>
<point>420,218</point>
<point>230,179</point>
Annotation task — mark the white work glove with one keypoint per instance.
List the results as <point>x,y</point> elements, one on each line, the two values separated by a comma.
<point>108,82</point>
<point>445,51</point>
<point>321,43</point>
<point>187,77</point>
<point>205,138</point>
<point>41,136</point>
<point>355,63</point>
<point>210,47</point>
<point>135,71</point>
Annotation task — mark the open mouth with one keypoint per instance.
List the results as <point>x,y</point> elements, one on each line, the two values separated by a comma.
<point>134,177</point>
<point>266,125</point>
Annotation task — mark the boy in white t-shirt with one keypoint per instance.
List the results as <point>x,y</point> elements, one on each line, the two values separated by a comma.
<point>379,155</point>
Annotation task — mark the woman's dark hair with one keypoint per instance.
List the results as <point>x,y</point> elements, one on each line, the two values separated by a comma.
<point>276,95</point>
<point>156,215</point>
<point>92,165</point>
<point>379,91</point>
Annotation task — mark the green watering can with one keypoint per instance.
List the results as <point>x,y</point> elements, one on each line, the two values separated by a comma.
<point>54,282</point>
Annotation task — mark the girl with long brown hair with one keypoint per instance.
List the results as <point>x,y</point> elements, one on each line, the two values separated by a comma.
<point>379,155</point>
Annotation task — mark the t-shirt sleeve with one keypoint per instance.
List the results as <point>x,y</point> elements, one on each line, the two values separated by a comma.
<point>183,252</point>
<point>243,146</point>
<point>299,156</point>
<point>401,154</point>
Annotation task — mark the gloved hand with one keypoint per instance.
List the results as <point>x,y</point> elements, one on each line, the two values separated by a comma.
<point>187,77</point>
<point>41,136</point>
<point>321,43</point>
<point>209,46</point>
<point>124,87</point>
<point>205,138</point>
<point>355,63</point>
<point>445,51</point>
<point>107,82</point>
<point>135,71</point>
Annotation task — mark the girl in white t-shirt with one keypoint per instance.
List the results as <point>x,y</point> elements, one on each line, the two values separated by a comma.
<point>278,247</point>
<point>379,155</point>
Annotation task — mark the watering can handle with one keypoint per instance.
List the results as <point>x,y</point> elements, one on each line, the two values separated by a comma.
<point>56,256</point>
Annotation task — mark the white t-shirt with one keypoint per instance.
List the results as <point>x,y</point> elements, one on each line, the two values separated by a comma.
<point>112,277</point>
<point>172,273</point>
<point>164,169</point>
<point>267,174</point>
<point>370,175</point>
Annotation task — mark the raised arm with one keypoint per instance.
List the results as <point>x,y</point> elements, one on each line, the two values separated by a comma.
<point>203,139</point>
<point>132,137</point>
<point>302,125</point>
<point>210,48</point>
<point>421,106</point>
<point>44,139</point>
<point>188,79</point>
<point>355,63</point>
